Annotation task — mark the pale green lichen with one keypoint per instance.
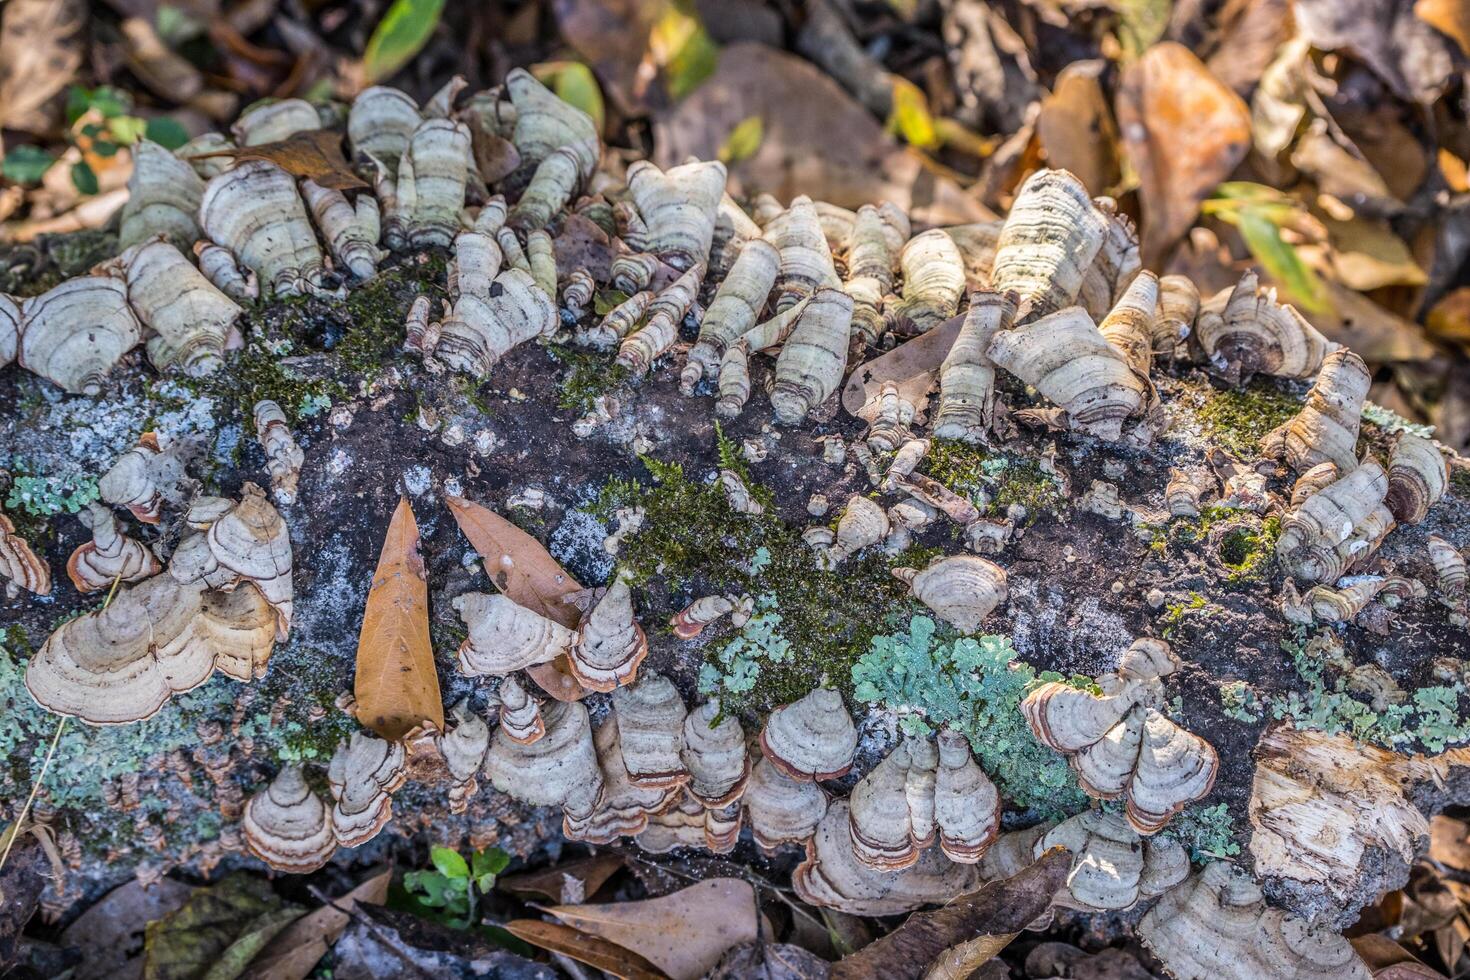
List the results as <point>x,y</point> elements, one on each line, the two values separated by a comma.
<point>1207,832</point>
<point>1238,700</point>
<point>46,496</point>
<point>1390,421</point>
<point>973,685</point>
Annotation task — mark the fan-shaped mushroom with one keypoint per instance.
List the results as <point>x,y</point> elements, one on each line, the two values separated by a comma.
<point>163,198</point>
<point>463,748</point>
<point>1216,926</point>
<point>1326,429</point>
<point>255,211</point>
<point>75,333</point>
<point>482,329</point>
<point>650,718</point>
<point>812,738</point>
<point>1048,242</point>
<point>505,637</point>
<point>286,825</point>
<point>1417,478</point>
<point>1112,867</point>
<point>1245,332</point>
<point>878,234</point>
<point>364,773</point>
<point>679,208</point>
<point>283,457</point>
<point>882,828</point>
<point>241,627</point>
<point>143,478</point>
<point>21,566</point>
<point>1337,526</point>
<point>832,877</point>
<point>558,769</point>
<point>863,523</point>
<point>782,810</point>
<point>967,376</point>
<point>520,714</point>
<point>193,321</point>
<point>122,663</point>
<point>610,644</point>
<point>966,802</point>
<point>432,175</point>
<point>381,122</point>
<point>623,805</point>
<point>714,755</point>
<point>110,555</point>
<point>961,589</point>
<point>351,229</point>
<point>810,365</point>
<point>9,329</point>
<point>251,543</point>
<point>806,258</point>
<point>272,122</point>
<point>933,281</point>
<point>1119,742</point>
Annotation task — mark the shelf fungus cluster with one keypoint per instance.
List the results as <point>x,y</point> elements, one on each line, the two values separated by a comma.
<point>1121,743</point>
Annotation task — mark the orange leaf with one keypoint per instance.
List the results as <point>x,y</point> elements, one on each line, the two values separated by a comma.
<point>525,571</point>
<point>397,687</point>
<point>1184,133</point>
<point>606,956</point>
<point>314,153</point>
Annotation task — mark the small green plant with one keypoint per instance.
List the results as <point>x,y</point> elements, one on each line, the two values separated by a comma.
<point>452,892</point>
<point>1176,612</point>
<point>973,685</point>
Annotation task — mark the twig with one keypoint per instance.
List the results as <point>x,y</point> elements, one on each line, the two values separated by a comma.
<point>392,945</point>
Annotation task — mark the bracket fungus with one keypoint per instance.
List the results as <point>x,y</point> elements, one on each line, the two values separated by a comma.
<point>1112,867</point>
<point>242,542</point>
<point>933,282</point>
<point>110,555</point>
<point>364,773</point>
<point>520,714</point>
<point>558,769</point>
<point>163,198</point>
<point>1326,429</point>
<point>463,748</point>
<point>1417,478</point>
<point>610,644</point>
<point>714,754</point>
<point>255,211</point>
<point>1337,527</point>
<point>961,589</point>
<point>505,637</point>
<point>967,804</point>
<point>812,738</point>
<point>483,328</point>
<point>1244,331</point>
<point>1121,744</point>
<point>967,376</point>
<point>650,718</point>
<point>143,478</point>
<point>1216,926</point>
<point>287,826</point>
<point>1049,239</point>
<point>193,322</point>
<point>283,457</point>
<point>20,565</point>
<point>832,877</point>
<point>781,810</point>
<point>75,333</point>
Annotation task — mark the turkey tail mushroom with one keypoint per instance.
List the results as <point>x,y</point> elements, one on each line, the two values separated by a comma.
<point>1069,362</point>
<point>521,720</point>
<point>734,310</point>
<point>1313,534</point>
<point>463,748</point>
<point>255,212</point>
<point>812,738</point>
<point>679,208</point>
<point>381,123</point>
<point>1326,429</point>
<point>19,564</point>
<point>218,265</point>
<point>1174,318</point>
<point>559,769</point>
<point>878,234</point>
<point>650,717</point>
<point>351,229</point>
<point>272,122</point>
<point>878,815</point>
<point>810,365</point>
<point>806,259</point>
<point>363,775</point>
<point>9,329</point>
<point>1246,332</point>
<point>1113,869</point>
<point>75,333</point>
<point>193,322</point>
<point>432,176</point>
<point>933,281</point>
<point>966,803</point>
<point>610,644</point>
<point>164,194</point>
<point>283,457</point>
<point>715,756</point>
<point>110,556</point>
<point>1417,478</point>
<point>967,376</point>
<point>1449,568</point>
<point>1048,242</point>
<point>286,825</point>
<point>781,810</point>
<point>505,636</point>
<point>962,590</point>
<point>481,330</point>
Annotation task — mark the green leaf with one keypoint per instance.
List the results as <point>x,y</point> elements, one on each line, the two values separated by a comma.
<point>910,116</point>
<point>1140,24</point>
<point>449,862</point>
<point>684,48</point>
<point>573,83</point>
<point>109,101</point>
<point>1281,260</point>
<point>105,148</point>
<point>166,132</point>
<point>83,177</point>
<point>217,931</point>
<point>78,101</point>
<point>743,140</point>
<point>486,865</point>
<point>400,35</point>
<point>26,164</point>
<point>127,130</point>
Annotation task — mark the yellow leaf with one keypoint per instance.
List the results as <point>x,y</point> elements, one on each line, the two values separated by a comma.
<point>397,687</point>
<point>574,84</point>
<point>910,117</point>
<point>683,49</point>
<point>743,140</point>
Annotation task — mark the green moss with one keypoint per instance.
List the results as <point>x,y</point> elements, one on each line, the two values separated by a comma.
<point>589,375</point>
<point>691,540</point>
<point>1250,553</point>
<point>1175,613</point>
<point>1246,549</point>
<point>31,269</point>
<point>377,310</point>
<point>1238,418</point>
<point>1460,481</point>
<point>256,373</point>
<point>995,480</point>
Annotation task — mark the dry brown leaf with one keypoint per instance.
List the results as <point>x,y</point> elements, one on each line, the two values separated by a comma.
<point>1449,17</point>
<point>996,911</point>
<point>1076,127</point>
<point>584,948</point>
<point>684,934</point>
<point>770,961</point>
<point>1390,961</point>
<point>314,153</point>
<point>582,244</point>
<point>397,687</point>
<point>1250,33</point>
<point>295,950</point>
<point>912,365</point>
<point>1378,335</point>
<point>1184,133</point>
<point>1402,49</point>
<point>584,876</point>
<point>1449,321</point>
<point>960,961</point>
<point>41,47</point>
<point>1367,255</point>
<point>857,163</point>
<point>525,571</point>
<point>165,72</point>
